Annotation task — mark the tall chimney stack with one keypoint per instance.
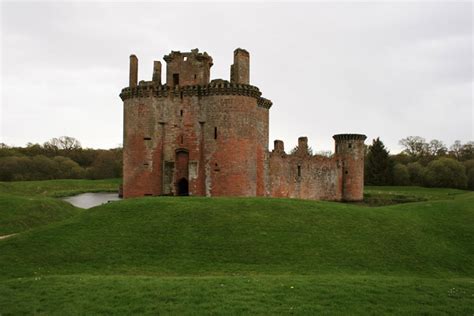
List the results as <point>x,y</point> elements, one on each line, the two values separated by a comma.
<point>157,72</point>
<point>133,71</point>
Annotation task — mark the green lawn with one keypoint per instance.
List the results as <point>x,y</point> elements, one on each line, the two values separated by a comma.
<point>242,255</point>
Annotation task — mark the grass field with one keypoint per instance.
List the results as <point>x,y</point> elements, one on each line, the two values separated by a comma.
<point>169,255</point>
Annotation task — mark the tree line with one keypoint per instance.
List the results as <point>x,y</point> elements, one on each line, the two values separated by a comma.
<point>58,158</point>
<point>422,163</point>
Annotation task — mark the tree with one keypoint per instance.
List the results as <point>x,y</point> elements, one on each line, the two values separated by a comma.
<point>64,142</point>
<point>108,164</point>
<point>446,173</point>
<point>378,165</point>
<point>400,175</point>
<point>467,151</point>
<point>415,146</point>
<point>437,148</point>
<point>455,149</point>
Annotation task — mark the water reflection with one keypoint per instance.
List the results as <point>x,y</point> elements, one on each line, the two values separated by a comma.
<point>88,200</point>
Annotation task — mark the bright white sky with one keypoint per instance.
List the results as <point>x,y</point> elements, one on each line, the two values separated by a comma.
<point>387,70</point>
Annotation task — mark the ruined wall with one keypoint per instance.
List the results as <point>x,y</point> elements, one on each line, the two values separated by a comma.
<point>300,175</point>
<point>187,69</point>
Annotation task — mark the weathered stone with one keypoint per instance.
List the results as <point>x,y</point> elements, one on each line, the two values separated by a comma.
<point>210,138</point>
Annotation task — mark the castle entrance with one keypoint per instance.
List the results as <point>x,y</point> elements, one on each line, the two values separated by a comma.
<point>182,187</point>
<point>182,172</point>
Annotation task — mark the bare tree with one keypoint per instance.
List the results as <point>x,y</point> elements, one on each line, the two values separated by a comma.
<point>437,148</point>
<point>415,146</point>
<point>64,142</point>
<point>456,149</point>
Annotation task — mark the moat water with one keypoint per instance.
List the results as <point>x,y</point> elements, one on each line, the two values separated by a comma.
<point>88,200</point>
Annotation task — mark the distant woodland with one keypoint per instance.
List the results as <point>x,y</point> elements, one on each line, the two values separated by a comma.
<point>59,158</point>
<point>421,163</point>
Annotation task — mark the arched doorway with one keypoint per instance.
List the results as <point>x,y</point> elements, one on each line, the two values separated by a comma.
<point>182,187</point>
<point>181,172</point>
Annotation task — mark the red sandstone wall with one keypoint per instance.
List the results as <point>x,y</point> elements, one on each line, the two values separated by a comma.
<point>231,157</point>
<point>142,157</point>
<point>262,150</point>
<point>319,177</point>
<point>351,153</point>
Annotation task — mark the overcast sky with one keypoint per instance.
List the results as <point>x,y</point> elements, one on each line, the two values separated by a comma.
<point>386,70</point>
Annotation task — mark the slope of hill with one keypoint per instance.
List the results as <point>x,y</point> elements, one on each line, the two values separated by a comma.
<point>246,255</point>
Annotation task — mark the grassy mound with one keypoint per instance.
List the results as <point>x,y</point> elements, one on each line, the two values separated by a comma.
<point>19,213</point>
<point>247,255</point>
<point>29,204</point>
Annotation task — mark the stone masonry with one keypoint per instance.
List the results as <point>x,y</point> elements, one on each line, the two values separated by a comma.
<point>194,136</point>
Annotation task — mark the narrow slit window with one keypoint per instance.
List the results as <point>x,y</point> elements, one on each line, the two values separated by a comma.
<point>299,171</point>
<point>176,79</point>
<point>350,145</point>
<point>195,76</point>
<point>182,139</point>
<point>181,95</point>
<point>146,138</point>
<point>181,112</point>
<point>215,132</point>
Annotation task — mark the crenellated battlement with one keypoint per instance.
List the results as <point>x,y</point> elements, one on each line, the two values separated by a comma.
<point>188,74</point>
<point>339,137</point>
<point>216,87</point>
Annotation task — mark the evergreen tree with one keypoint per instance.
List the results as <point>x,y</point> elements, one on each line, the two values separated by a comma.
<point>378,165</point>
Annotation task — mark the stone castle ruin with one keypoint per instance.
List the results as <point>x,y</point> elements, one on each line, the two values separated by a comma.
<point>195,136</point>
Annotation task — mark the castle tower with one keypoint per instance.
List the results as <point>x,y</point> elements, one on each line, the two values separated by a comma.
<point>350,150</point>
<point>187,69</point>
<point>193,136</point>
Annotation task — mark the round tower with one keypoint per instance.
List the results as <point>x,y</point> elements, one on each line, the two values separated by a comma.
<point>350,149</point>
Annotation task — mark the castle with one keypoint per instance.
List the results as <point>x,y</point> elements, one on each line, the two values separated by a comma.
<point>194,136</point>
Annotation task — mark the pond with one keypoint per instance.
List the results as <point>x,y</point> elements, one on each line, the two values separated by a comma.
<point>88,200</point>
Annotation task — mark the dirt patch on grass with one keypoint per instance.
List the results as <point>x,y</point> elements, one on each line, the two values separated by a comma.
<point>6,236</point>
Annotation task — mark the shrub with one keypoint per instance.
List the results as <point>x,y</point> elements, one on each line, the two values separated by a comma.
<point>416,172</point>
<point>470,179</point>
<point>446,172</point>
<point>401,175</point>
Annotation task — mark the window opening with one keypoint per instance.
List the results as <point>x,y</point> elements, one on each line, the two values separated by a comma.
<point>350,145</point>
<point>215,132</point>
<point>181,112</point>
<point>299,171</point>
<point>182,139</point>
<point>146,138</point>
<point>176,79</point>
